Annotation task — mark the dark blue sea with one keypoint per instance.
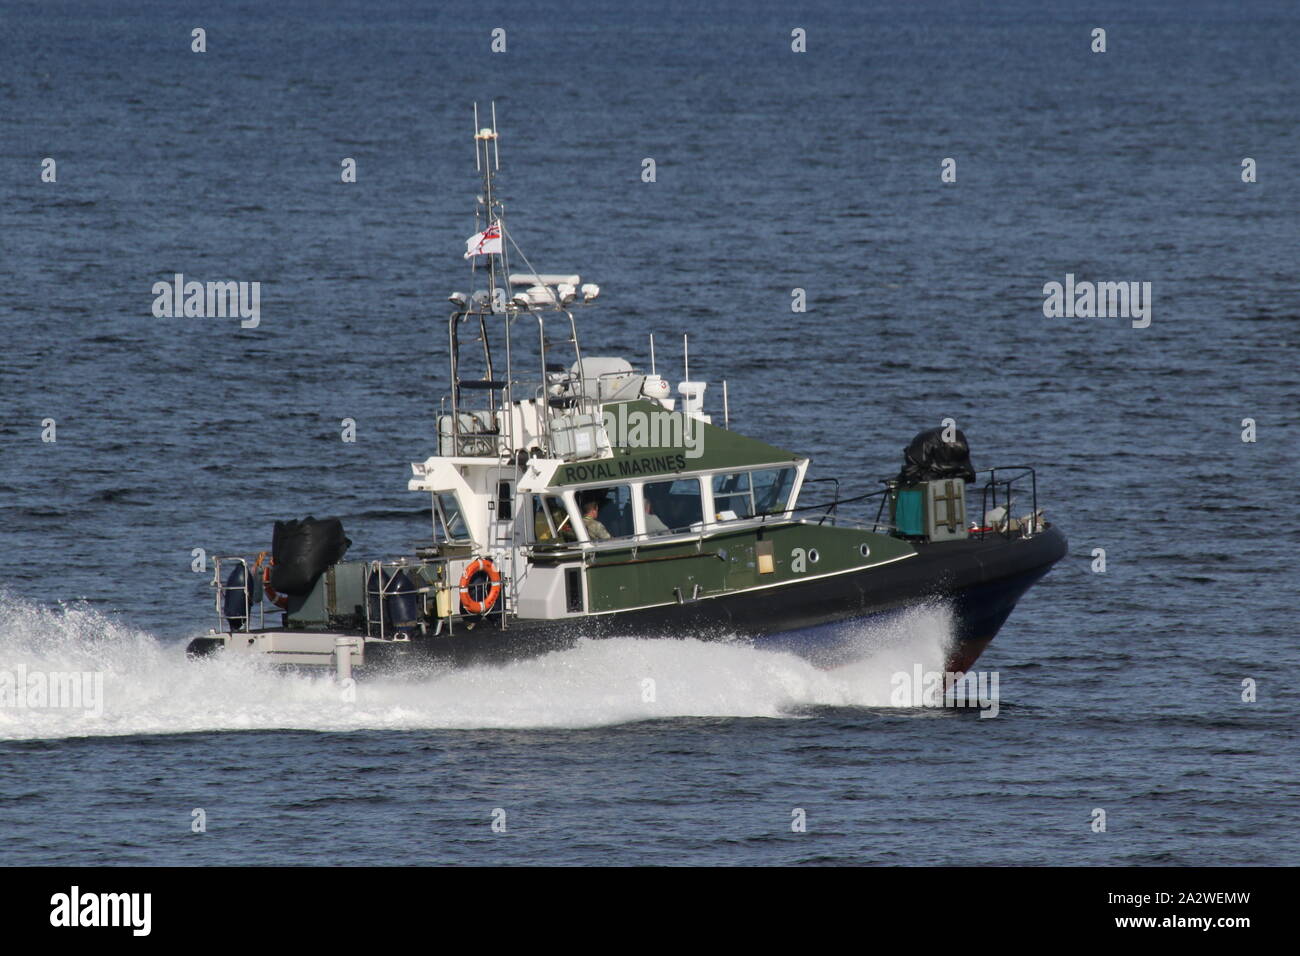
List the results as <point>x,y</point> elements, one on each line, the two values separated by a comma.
<point>1120,691</point>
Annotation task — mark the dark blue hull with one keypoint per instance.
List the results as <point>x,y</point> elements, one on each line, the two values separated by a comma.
<point>977,581</point>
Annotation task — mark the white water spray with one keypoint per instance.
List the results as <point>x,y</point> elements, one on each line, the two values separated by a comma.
<point>150,687</point>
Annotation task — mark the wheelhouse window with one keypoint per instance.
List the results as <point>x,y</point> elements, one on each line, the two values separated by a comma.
<point>746,494</point>
<point>551,520</point>
<point>772,487</point>
<point>672,506</point>
<point>607,512</point>
<point>732,496</point>
<point>448,519</point>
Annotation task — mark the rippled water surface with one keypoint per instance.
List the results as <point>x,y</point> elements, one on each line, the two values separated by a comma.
<point>775,171</point>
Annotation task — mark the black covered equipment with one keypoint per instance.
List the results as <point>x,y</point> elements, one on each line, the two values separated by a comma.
<point>929,458</point>
<point>303,550</point>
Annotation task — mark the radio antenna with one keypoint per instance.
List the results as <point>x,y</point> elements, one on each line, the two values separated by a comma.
<point>496,149</point>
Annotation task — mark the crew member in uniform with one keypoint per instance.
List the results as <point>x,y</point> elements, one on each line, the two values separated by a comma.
<point>653,523</point>
<point>595,530</point>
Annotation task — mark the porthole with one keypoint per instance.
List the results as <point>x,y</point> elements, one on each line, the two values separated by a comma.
<point>864,549</point>
<point>813,556</point>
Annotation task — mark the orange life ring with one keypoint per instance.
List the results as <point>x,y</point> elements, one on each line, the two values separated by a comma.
<point>275,597</point>
<point>467,601</point>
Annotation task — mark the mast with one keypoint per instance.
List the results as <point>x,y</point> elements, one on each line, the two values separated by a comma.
<point>544,292</point>
<point>487,160</point>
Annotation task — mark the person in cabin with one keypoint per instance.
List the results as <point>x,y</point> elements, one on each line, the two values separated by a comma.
<point>653,523</point>
<point>559,517</point>
<point>541,527</point>
<point>590,509</point>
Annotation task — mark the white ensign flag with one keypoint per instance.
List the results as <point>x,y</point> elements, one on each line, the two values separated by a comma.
<point>484,243</point>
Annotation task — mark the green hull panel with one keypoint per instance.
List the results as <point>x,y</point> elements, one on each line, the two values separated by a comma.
<point>727,562</point>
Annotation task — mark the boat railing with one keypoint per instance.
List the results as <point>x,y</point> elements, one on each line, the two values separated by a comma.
<point>999,490</point>
<point>384,574</point>
<point>830,506</point>
<point>439,598</point>
<point>484,435</point>
<point>1001,485</point>
<point>559,405</point>
<point>830,509</point>
<point>697,534</point>
<point>583,549</point>
<point>473,429</point>
<point>247,591</point>
<point>557,375</point>
<point>472,438</point>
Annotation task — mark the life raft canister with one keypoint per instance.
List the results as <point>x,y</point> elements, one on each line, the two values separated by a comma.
<point>473,582</point>
<point>275,597</point>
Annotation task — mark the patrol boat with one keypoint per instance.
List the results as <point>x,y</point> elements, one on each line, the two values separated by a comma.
<point>573,496</point>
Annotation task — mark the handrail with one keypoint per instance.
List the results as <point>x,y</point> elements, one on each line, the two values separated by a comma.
<point>995,480</point>
<point>831,506</point>
<point>991,489</point>
<point>219,584</point>
<point>835,502</point>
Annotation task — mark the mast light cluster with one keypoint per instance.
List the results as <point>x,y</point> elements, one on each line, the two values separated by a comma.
<point>561,291</point>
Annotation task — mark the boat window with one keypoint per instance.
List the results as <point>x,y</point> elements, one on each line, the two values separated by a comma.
<point>448,520</point>
<point>551,520</point>
<point>613,511</point>
<point>731,496</point>
<point>672,506</point>
<point>772,487</point>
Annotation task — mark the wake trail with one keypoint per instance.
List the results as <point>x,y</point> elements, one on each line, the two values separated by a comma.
<point>149,686</point>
